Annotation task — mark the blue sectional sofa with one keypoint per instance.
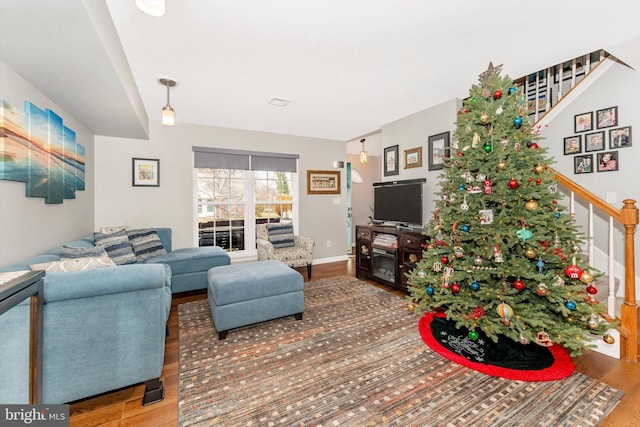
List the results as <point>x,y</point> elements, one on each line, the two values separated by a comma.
<point>103,329</point>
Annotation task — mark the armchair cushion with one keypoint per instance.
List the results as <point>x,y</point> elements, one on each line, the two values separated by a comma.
<point>280,235</point>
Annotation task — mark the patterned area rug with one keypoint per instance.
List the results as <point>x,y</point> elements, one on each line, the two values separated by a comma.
<point>357,359</point>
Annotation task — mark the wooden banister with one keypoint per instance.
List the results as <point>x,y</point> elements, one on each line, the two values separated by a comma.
<point>628,217</point>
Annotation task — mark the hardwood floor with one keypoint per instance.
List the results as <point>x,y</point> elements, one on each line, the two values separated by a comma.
<point>124,408</point>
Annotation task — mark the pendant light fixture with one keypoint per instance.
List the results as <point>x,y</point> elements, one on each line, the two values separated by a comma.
<point>363,154</point>
<point>168,115</point>
<point>151,7</point>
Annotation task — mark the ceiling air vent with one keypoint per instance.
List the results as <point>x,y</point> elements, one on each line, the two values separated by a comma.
<point>280,102</point>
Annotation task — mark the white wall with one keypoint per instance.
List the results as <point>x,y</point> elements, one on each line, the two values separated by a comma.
<point>414,131</point>
<point>322,217</point>
<point>28,226</point>
<point>362,194</point>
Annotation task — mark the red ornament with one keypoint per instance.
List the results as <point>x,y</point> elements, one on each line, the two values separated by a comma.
<point>497,94</point>
<point>513,183</point>
<point>592,290</point>
<point>459,153</point>
<point>445,259</point>
<point>465,111</point>
<point>573,271</point>
<point>538,181</point>
<point>519,285</point>
<point>455,288</point>
<point>534,146</point>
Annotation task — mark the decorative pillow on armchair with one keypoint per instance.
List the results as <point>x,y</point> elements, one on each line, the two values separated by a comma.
<point>117,246</point>
<point>281,235</point>
<point>146,243</point>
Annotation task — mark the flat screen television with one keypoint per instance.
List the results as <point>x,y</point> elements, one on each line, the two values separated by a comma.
<point>398,202</point>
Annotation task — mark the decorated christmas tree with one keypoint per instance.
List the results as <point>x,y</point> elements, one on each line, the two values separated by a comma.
<point>504,256</point>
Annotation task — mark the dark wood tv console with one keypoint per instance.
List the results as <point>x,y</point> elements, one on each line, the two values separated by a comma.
<point>385,254</point>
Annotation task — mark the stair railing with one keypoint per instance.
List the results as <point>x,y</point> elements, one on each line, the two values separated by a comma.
<point>627,216</point>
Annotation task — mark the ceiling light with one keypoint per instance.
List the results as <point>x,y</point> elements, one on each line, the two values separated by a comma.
<point>168,115</point>
<point>363,154</point>
<point>151,7</point>
<point>280,102</point>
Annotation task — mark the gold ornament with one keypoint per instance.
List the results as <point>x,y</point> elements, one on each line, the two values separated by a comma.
<point>531,205</point>
<point>411,308</point>
<point>608,339</point>
<point>502,165</point>
<point>542,290</point>
<point>484,118</point>
<point>530,253</point>
<point>586,277</point>
<point>593,323</point>
<point>538,169</point>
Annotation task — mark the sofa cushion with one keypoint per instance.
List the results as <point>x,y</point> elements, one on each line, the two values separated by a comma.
<point>281,235</point>
<point>75,264</point>
<point>117,246</point>
<point>191,260</point>
<point>146,243</point>
<point>69,252</point>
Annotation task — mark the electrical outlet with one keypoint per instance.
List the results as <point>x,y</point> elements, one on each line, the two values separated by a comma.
<point>328,243</point>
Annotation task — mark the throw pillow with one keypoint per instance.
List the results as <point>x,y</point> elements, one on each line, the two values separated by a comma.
<point>69,252</point>
<point>117,246</point>
<point>146,244</point>
<point>281,235</point>
<point>75,264</point>
<point>110,230</point>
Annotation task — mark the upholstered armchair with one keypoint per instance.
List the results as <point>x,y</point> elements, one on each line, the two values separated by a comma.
<point>276,241</point>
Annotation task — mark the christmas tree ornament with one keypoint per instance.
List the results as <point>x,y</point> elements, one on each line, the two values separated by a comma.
<point>462,187</point>
<point>511,90</point>
<point>458,252</point>
<point>447,273</point>
<point>475,140</point>
<point>531,205</point>
<point>465,228</point>
<point>473,99</point>
<point>517,147</point>
<point>464,207</point>
<point>542,290</point>
<point>486,216</point>
<point>523,340</point>
<point>459,154</point>
<point>518,285</point>
<point>553,188</point>
<point>410,307</point>
<point>484,118</point>
<point>592,291</point>
<point>422,274</point>
<point>586,277</point>
<point>505,312</point>
<point>570,305</point>
<point>524,234</point>
<point>475,286</point>
<point>543,339</point>
<point>593,323</point>
<point>499,110</point>
<point>528,144</point>
<point>497,255</point>
<point>513,183</point>
<point>540,265</point>
<point>437,267</point>
<point>538,181</point>
<point>444,259</point>
<point>517,122</point>
<point>487,147</point>
<point>608,339</point>
<point>455,288</point>
<point>497,94</point>
<point>478,260</point>
<point>573,271</point>
<point>538,169</point>
<point>487,186</point>
<point>502,165</point>
<point>473,336</point>
<point>481,177</point>
<point>534,146</point>
<point>430,290</point>
<point>530,253</point>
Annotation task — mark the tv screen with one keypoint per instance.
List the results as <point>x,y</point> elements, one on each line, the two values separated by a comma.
<point>398,201</point>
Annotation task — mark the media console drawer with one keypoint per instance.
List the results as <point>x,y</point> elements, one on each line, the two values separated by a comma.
<point>409,241</point>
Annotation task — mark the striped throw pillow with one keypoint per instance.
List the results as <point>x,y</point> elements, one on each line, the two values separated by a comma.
<point>146,243</point>
<point>117,246</point>
<point>281,235</point>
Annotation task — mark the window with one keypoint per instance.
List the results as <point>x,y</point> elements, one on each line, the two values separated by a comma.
<point>237,188</point>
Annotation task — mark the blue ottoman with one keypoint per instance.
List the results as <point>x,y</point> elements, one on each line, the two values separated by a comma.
<point>248,293</point>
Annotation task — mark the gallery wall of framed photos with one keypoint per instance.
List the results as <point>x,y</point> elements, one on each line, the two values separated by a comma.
<point>598,140</point>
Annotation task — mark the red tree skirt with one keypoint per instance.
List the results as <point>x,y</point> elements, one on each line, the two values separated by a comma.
<point>562,365</point>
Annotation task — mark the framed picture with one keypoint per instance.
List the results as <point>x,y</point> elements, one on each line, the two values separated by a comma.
<point>583,122</point>
<point>573,144</point>
<point>620,138</point>
<point>594,141</point>
<point>608,161</point>
<point>391,161</point>
<point>146,173</point>
<point>607,117</point>
<point>323,182</point>
<point>438,150</point>
<point>413,158</point>
<point>583,164</point>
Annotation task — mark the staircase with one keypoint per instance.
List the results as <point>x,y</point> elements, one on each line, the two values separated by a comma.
<point>545,90</point>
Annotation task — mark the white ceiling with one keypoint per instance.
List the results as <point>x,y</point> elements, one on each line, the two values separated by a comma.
<point>348,66</point>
